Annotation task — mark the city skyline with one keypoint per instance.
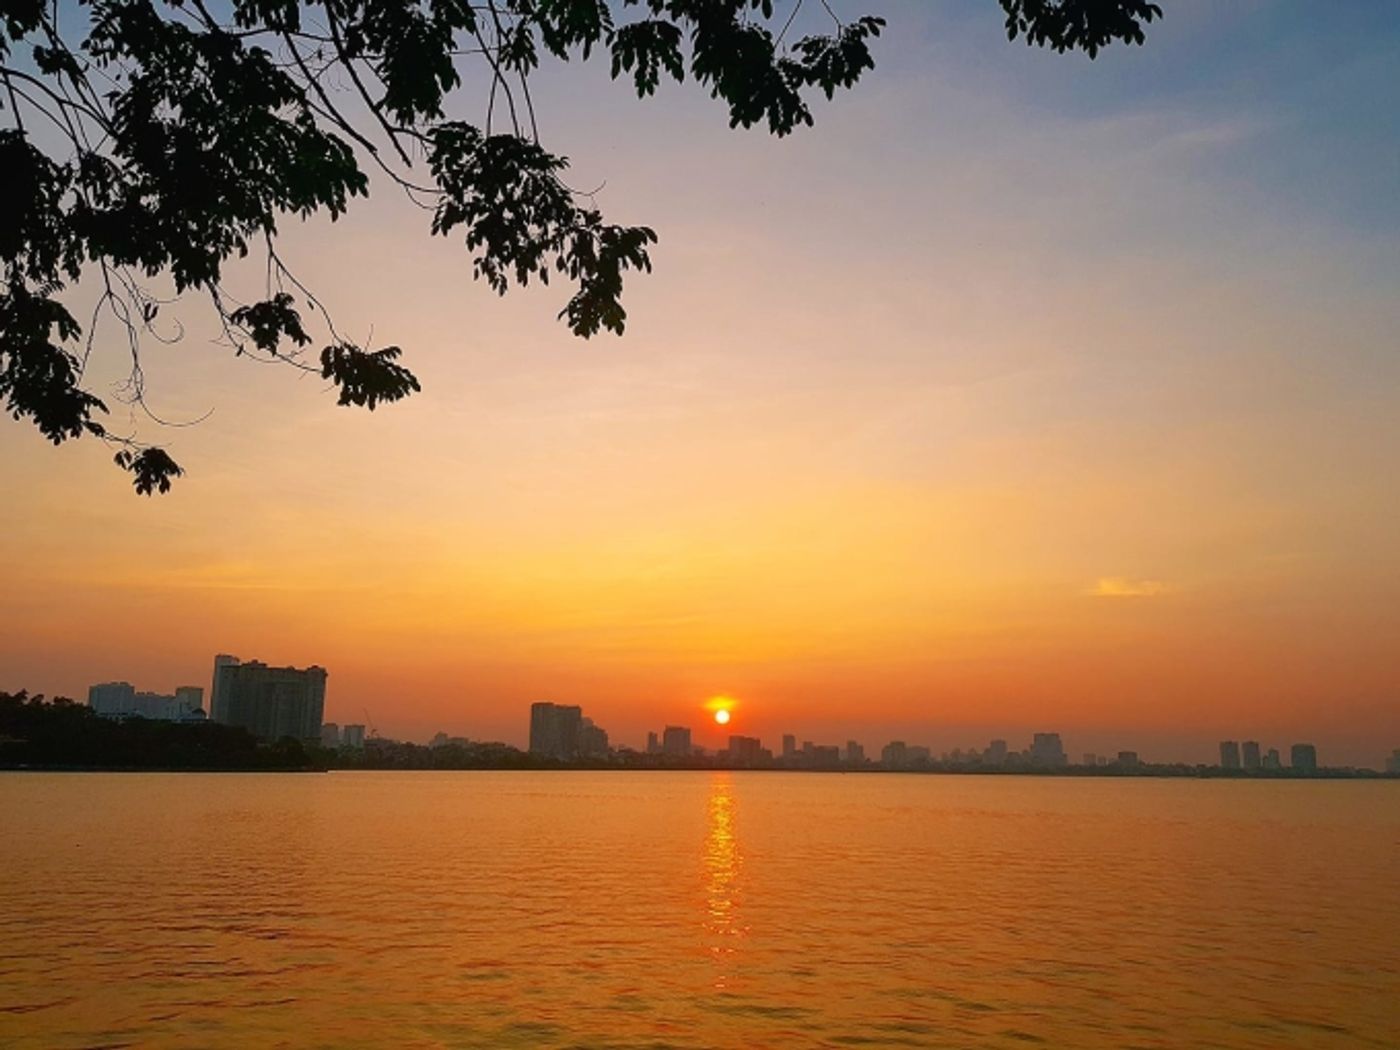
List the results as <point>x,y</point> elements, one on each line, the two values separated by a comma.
<point>276,698</point>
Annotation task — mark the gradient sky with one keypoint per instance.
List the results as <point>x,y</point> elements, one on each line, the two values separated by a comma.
<point>1023,392</point>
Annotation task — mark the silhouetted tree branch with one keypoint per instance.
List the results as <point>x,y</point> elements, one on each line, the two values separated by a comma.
<point>164,138</point>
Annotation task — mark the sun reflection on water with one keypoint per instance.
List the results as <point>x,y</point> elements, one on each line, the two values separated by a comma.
<point>723,867</point>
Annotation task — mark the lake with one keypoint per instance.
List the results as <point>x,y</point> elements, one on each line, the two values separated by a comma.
<point>696,909</point>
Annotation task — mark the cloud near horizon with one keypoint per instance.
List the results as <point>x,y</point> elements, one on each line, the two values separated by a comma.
<point>1122,587</point>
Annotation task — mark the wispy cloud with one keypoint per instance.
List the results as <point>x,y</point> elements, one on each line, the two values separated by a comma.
<point>1122,587</point>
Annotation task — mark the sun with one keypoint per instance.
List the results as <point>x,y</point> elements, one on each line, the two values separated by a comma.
<point>721,708</point>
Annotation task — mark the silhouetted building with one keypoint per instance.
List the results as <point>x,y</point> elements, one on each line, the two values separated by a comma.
<point>1129,759</point>
<point>789,745</point>
<point>352,736</point>
<point>1250,754</point>
<point>1392,764</point>
<point>1229,754</point>
<point>112,699</point>
<point>122,700</point>
<point>330,734</point>
<point>1090,759</point>
<point>556,730</point>
<point>746,751</point>
<point>190,700</point>
<point>216,699</point>
<point>995,755</point>
<point>855,753</point>
<point>592,740</point>
<point>675,741</point>
<point>1304,758</point>
<point>155,706</point>
<point>1047,751</point>
<point>895,755</point>
<point>653,744</point>
<point>825,756</point>
<point>441,740</point>
<point>271,702</point>
<point>1272,759</point>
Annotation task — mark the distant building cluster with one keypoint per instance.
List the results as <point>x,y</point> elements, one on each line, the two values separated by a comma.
<point>1046,752</point>
<point>1247,757</point>
<point>561,732</point>
<point>269,702</point>
<point>122,700</point>
<point>350,737</point>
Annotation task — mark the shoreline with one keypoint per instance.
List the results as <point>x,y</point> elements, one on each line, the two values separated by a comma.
<point>1204,773</point>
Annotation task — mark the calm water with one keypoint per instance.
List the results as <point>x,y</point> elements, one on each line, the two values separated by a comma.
<point>696,909</point>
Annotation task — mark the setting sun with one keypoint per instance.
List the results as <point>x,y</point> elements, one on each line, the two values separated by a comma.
<point>722,708</point>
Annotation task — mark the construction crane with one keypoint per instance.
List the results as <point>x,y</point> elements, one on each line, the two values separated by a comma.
<point>373,732</point>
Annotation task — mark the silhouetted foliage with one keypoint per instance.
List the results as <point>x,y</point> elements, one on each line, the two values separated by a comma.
<point>165,138</point>
<point>61,734</point>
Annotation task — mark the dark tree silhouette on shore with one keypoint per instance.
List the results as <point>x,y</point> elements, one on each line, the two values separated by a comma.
<point>161,139</point>
<point>61,734</point>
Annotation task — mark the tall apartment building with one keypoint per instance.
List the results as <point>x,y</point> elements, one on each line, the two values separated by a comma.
<point>1048,751</point>
<point>556,730</point>
<point>1304,758</point>
<point>855,753</point>
<point>269,702</point>
<point>1250,754</point>
<point>1229,754</point>
<point>216,700</point>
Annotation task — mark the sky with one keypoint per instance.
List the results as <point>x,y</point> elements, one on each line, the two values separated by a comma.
<point>1023,392</point>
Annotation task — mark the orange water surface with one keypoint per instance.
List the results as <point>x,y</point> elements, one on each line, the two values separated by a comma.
<point>696,909</point>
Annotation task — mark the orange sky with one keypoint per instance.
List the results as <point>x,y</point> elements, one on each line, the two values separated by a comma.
<point>1019,394</point>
